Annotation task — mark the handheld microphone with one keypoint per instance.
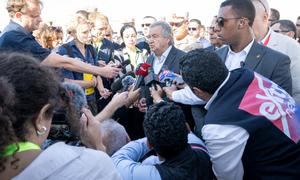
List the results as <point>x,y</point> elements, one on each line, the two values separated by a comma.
<point>127,82</point>
<point>117,84</point>
<point>141,72</point>
<point>151,78</point>
<point>76,94</point>
<point>64,127</point>
<point>167,77</point>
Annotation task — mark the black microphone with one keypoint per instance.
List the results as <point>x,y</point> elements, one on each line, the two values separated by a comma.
<point>151,79</point>
<point>117,84</point>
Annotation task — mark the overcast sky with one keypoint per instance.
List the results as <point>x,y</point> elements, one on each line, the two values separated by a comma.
<point>60,11</point>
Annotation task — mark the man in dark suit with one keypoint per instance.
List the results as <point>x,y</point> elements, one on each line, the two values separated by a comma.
<point>164,54</point>
<point>233,26</point>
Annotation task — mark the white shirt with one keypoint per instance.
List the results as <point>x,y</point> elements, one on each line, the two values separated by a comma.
<point>60,161</point>
<point>186,96</point>
<point>159,62</point>
<point>225,144</point>
<point>234,60</point>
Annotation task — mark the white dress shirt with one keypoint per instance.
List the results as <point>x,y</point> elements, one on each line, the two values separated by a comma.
<point>159,62</point>
<point>186,96</point>
<point>235,60</point>
<point>225,144</point>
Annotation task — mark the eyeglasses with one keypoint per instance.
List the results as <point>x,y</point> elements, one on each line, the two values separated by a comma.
<point>176,24</point>
<point>192,29</point>
<point>221,21</point>
<point>263,6</point>
<point>281,31</point>
<point>145,25</point>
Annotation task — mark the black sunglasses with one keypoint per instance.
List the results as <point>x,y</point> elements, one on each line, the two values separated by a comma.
<point>221,21</point>
<point>147,25</point>
<point>176,24</point>
<point>281,31</point>
<point>192,29</point>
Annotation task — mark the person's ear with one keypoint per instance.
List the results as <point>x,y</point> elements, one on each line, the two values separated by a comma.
<point>42,119</point>
<point>242,23</point>
<point>266,17</point>
<point>291,34</point>
<point>149,144</point>
<point>18,15</point>
<point>201,94</point>
<point>198,92</point>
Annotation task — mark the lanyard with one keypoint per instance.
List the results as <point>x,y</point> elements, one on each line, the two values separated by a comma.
<point>267,40</point>
<point>23,146</point>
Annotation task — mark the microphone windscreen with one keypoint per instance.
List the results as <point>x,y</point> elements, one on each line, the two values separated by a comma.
<point>127,82</point>
<point>117,84</point>
<point>142,69</point>
<point>76,94</point>
<point>166,75</point>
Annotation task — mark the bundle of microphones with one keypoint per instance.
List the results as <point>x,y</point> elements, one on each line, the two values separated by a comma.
<point>144,75</point>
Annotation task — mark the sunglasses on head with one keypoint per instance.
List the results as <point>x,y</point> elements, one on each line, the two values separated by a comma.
<point>192,29</point>
<point>176,24</point>
<point>281,31</point>
<point>145,25</point>
<point>221,21</point>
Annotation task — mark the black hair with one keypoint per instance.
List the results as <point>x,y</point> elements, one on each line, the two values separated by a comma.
<point>196,21</point>
<point>127,26</point>
<point>29,87</point>
<point>275,14</point>
<point>203,69</point>
<point>165,128</point>
<point>242,8</point>
<point>286,25</point>
<point>152,17</point>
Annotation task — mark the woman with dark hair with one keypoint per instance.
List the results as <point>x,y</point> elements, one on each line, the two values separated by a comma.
<point>128,50</point>
<point>29,93</point>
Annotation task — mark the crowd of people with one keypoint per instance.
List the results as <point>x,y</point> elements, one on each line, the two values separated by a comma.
<point>178,100</point>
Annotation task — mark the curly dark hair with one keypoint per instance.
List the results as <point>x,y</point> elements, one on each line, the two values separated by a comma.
<point>25,88</point>
<point>165,129</point>
<point>203,69</point>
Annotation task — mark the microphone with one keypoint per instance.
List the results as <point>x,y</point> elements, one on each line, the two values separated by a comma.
<point>151,78</point>
<point>127,82</point>
<point>167,77</point>
<point>76,94</point>
<point>117,84</point>
<point>141,72</point>
<point>125,65</point>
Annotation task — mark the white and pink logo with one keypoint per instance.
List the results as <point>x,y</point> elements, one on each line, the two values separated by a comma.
<point>265,98</point>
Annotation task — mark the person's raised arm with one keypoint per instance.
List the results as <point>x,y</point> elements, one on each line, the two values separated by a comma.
<point>119,100</point>
<point>56,60</point>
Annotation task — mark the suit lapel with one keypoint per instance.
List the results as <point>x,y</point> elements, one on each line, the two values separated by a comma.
<point>168,62</point>
<point>150,59</point>
<point>223,53</point>
<point>254,56</point>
